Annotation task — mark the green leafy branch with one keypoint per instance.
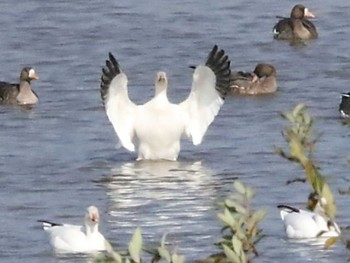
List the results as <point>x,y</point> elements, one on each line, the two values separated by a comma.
<point>299,136</point>
<point>135,248</point>
<point>240,232</point>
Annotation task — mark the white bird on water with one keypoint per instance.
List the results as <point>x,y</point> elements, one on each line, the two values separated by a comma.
<point>158,125</point>
<point>66,238</point>
<point>306,224</point>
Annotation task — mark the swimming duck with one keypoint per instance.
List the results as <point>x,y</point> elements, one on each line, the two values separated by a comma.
<point>22,92</point>
<point>344,106</point>
<point>158,125</point>
<point>306,224</point>
<point>297,27</point>
<point>261,81</point>
<point>72,239</point>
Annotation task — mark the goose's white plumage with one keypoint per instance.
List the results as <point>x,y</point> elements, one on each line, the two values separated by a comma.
<point>158,125</point>
<point>300,223</point>
<point>66,238</point>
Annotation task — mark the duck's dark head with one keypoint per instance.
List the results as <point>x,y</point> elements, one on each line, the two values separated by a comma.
<point>300,11</point>
<point>28,74</point>
<point>264,70</point>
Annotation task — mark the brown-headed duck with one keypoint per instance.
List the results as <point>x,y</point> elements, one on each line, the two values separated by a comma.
<point>297,27</point>
<point>261,81</point>
<point>19,93</point>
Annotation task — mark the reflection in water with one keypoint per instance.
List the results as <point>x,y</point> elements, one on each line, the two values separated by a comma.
<point>177,198</point>
<point>307,250</point>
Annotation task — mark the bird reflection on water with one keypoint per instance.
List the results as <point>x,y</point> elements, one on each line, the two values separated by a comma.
<point>163,197</point>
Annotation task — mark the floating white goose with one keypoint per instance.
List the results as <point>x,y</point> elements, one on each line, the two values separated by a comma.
<point>158,125</point>
<point>305,224</point>
<point>71,239</point>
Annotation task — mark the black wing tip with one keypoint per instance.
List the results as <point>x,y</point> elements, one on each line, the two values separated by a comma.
<point>220,64</point>
<point>289,208</point>
<point>49,223</point>
<point>109,71</point>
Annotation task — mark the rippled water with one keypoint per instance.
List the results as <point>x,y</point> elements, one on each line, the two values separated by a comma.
<point>61,157</point>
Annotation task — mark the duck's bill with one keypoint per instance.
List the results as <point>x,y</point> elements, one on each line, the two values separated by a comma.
<point>308,14</point>
<point>33,75</point>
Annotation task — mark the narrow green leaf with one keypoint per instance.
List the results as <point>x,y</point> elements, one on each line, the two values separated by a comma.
<point>164,253</point>
<point>259,215</point>
<point>239,187</point>
<point>227,218</point>
<point>230,254</point>
<point>298,109</point>
<point>135,246</point>
<point>330,242</point>
<point>250,193</point>
<point>177,259</point>
<point>162,243</point>
<point>307,119</point>
<point>116,257</point>
<point>237,245</point>
<point>240,209</point>
<point>243,257</point>
<point>331,208</point>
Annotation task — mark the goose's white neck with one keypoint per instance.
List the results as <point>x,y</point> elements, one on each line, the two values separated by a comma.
<point>91,229</point>
<point>161,94</point>
<point>161,86</point>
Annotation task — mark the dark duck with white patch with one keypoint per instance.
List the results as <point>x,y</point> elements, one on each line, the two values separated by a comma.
<point>297,26</point>
<point>344,106</point>
<point>20,93</point>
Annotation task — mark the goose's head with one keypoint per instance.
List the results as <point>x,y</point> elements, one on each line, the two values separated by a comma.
<point>316,203</point>
<point>161,82</point>
<point>28,74</point>
<point>300,11</point>
<point>92,215</point>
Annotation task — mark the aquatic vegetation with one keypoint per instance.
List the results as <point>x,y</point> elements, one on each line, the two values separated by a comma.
<point>135,249</point>
<point>241,230</point>
<point>301,140</point>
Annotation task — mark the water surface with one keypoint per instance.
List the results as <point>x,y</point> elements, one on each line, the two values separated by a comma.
<point>60,157</point>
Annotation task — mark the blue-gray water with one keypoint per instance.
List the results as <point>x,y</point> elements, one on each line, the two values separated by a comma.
<point>60,157</point>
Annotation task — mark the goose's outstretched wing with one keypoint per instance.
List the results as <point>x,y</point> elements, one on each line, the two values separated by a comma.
<point>119,108</point>
<point>210,85</point>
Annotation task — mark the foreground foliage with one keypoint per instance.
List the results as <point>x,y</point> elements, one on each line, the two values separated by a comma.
<point>240,235</point>
<point>301,141</point>
<point>241,230</point>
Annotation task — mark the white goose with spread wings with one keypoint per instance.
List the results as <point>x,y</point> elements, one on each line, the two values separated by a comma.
<point>158,125</point>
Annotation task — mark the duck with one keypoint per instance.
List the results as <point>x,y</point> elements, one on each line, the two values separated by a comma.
<point>156,127</point>
<point>297,26</point>
<point>344,106</point>
<point>66,238</point>
<point>20,93</point>
<point>300,223</point>
<point>261,81</point>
